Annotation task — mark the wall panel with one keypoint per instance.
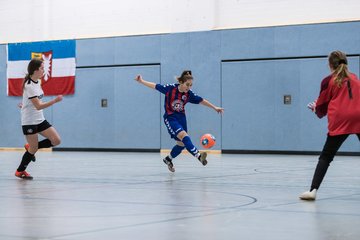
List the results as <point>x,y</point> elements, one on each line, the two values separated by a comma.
<point>258,119</point>
<point>131,119</point>
<point>247,71</point>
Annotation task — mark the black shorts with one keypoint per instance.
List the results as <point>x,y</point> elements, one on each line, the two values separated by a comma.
<point>32,129</point>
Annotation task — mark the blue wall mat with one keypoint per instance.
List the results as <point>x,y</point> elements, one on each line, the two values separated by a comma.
<point>3,58</point>
<point>248,43</point>
<point>247,71</point>
<point>10,132</point>
<point>290,41</point>
<point>175,53</point>
<point>118,51</point>
<point>320,39</point>
<point>258,119</point>
<point>207,83</point>
<point>95,52</point>
<point>199,52</point>
<point>80,120</point>
<point>248,95</point>
<point>138,49</point>
<point>137,113</point>
<point>129,121</point>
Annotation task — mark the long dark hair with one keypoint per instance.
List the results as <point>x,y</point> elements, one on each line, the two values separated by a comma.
<point>34,65</point>
<point>186,75</point>
<point>338,62</point>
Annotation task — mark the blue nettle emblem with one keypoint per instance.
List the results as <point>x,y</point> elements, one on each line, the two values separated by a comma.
<point>205,141</point>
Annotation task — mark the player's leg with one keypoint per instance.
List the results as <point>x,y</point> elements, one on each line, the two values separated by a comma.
<point>175,151</point>
<point>184,137</point>
<point>52,137</point>
<point>28,156</point>
<point>332,145</point>
<point>173,126</point>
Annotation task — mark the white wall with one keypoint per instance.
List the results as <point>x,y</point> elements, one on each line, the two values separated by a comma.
<point>256,13</point>
<point>36,20</point>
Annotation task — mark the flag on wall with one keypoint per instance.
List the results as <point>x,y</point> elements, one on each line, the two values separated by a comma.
<point>59,66</point>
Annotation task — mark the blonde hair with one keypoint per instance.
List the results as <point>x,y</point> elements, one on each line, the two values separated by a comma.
<point>338,63</point>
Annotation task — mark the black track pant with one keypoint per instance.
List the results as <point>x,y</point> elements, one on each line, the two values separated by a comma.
<point>332,145</point>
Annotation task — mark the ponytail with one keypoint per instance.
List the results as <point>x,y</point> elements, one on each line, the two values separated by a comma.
<point>340,73</point>
<point>338,63</point>
<point>186,75</point>
<point>34,65</point>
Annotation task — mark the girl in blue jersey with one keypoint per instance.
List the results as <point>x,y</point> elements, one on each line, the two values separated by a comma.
<point>176,96</point>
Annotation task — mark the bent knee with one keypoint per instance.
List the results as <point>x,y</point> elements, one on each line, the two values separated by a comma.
<point>56,141</point>
<point>181,135</point>
<point>32,149</point>
<point>180,144</point>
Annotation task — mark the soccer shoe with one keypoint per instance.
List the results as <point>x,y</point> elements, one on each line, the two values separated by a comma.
<point>309,196</point>
<point>169,163</point>
<point>24,175</point>
<point>27,146</point>
<point>202,158</point>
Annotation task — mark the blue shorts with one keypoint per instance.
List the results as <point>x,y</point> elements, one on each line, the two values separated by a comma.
<point>175,125</point>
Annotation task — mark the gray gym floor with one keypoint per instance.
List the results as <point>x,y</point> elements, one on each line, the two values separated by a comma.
<point>97,195</point>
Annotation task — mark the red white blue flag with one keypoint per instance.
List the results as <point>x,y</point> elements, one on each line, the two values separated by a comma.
<point>59,66</point>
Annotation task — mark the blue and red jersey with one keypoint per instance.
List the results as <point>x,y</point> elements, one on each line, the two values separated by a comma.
<point>340,104</point>
<point>175,100</point>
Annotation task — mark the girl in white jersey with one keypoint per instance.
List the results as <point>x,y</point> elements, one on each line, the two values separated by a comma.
<point>32,117</point>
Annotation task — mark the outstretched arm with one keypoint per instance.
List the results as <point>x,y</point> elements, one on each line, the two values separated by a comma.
<point>139,79</point>
<point>41,105</point>
<point>210,105</point>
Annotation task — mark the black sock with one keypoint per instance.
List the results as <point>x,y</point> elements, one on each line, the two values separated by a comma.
<point>46,143</point>
<point>26,159</point>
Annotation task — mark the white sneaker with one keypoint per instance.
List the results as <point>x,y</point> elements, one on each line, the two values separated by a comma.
<point>309,196</point>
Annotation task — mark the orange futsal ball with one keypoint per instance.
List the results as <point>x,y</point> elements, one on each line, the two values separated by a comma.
<point>207,140</point>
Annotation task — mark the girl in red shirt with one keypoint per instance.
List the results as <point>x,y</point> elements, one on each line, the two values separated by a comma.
<point>339,99</point>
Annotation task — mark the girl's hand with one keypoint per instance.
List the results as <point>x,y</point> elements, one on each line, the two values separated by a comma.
<point>138,78</point>
<point>312,106</point>
<point>58,98</point>
<point>219,110</point>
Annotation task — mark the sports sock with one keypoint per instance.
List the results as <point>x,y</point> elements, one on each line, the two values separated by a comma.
<point>190,147</point>
<point>176,150</point>
<point>26,159</point>
<point>46,143</point>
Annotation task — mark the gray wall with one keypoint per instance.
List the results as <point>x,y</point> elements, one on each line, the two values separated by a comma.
<point>247,71</point>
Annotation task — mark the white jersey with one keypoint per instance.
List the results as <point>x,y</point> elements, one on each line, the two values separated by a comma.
<point>29,114</point>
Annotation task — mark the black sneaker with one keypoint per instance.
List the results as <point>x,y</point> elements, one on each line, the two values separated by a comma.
<point>202,158</point>
<point>169,163</point>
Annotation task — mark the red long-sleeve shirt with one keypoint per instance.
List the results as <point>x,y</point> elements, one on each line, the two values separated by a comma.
<point>341,104</point>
